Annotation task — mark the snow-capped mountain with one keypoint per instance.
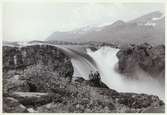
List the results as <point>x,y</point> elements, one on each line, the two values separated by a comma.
<point>151,19</point>
<point>148,28</point>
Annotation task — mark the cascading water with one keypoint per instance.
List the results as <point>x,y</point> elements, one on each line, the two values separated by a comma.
<point>82,65</point>
<point>106,61</point>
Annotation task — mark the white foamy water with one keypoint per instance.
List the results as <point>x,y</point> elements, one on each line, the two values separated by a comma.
<point>106,61</point>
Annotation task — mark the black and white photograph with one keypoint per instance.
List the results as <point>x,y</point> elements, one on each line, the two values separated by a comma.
<point>83,57</point>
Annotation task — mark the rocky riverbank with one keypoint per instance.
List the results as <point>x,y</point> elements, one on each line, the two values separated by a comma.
<point>38,78</point>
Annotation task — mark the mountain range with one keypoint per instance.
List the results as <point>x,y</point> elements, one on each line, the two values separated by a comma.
<point>148,28</point>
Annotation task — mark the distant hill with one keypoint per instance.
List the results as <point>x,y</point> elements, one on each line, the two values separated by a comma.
<point>148,28</point>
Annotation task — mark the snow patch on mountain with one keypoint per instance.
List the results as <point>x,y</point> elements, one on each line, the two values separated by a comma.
<point>105,24</point>
<point>150,24</point>
<point>158,18</point>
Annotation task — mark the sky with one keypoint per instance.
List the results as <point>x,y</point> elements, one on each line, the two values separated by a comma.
<point>38,20</point>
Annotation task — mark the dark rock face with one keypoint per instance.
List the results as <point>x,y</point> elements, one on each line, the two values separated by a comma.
<point>34,68</point>
<point>15,58</point>
<point>149,59</point>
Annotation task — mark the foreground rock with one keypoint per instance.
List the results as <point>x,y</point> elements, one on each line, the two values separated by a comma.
<point>154,110</point>
<point>32,98</point>
<point>145,57</point>
<point>11,105</point>
<point>87,99</point>
<point>80,97</point>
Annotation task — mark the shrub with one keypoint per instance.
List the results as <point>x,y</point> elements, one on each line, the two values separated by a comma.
<point>41,79</point>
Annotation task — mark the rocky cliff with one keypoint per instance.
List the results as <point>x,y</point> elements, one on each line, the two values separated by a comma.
<point>20,58</point>
<point>38,78</point>
<point>150,59</point>
<point>30,65</point>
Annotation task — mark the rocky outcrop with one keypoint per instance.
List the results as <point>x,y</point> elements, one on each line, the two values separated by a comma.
<point>34,68</point>
<point>95,82</point>
<point>21,57</point>
<point>149,59</point>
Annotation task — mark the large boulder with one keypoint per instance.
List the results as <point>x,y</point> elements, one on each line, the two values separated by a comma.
<point>11,105</point>
<point>33,98</point>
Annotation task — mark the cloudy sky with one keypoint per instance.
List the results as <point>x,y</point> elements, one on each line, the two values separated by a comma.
<point>37,20</point>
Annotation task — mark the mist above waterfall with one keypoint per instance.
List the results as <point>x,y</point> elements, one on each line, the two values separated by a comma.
<point>106,61</point>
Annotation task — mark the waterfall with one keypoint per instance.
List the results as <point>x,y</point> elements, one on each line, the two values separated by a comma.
<point>82,63</point>
<point>106,61</point>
